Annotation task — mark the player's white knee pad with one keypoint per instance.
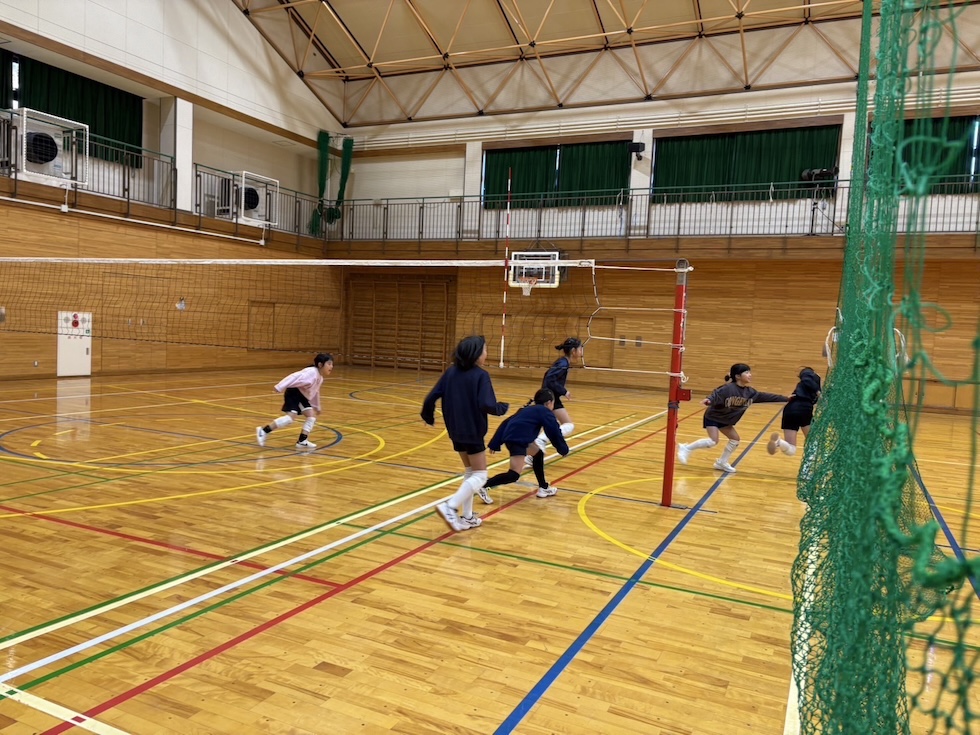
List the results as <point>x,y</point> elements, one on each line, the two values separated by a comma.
<point>284,420</point>
<point>567,429</point>
<point>308,424</point>
<point>480,476</point>
<point>788,448</point>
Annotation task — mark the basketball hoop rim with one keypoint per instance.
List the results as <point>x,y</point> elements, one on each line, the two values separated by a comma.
<point>527,283</point>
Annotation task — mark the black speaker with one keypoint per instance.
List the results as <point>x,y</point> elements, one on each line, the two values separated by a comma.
<point>637,147</point>
<point>41,148</point>
<point>251,198</point>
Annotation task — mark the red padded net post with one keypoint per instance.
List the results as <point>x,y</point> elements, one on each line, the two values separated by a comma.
<point>676,391</point>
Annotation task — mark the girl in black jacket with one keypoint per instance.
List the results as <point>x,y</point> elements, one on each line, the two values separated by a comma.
<point>798,414</point>
<point>467,399</point>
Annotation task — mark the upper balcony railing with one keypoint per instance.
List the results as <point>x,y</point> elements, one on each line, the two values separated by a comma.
<point>778,209</point>
<point>786,209</point>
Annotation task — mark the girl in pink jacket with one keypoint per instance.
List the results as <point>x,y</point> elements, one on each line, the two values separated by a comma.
<point>301,396</point>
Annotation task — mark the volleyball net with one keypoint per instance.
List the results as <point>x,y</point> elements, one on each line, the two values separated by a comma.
<point>885,582</point>
<point>404,313</point>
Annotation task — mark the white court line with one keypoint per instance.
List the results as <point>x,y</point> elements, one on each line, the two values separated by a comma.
<point>204,571</point>
<point>58,712</point>
<point>26,669</point>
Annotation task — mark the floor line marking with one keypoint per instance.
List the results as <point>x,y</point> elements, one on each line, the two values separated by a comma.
<point>119,602</point>
<point>59,712</point>
<point>538,690</point>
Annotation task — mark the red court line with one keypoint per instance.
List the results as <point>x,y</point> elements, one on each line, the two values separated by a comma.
<point>241,638</point>
<point>162,545</point>
<point>137,690</point>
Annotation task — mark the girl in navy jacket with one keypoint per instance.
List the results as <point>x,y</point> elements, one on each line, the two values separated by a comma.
<point>518,434</point>
<point>467,399</point>
<point>554,380</point>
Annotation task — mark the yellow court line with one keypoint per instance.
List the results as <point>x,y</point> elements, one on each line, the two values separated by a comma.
<point>684,570</point>
<point>39,455</point>
<point>144,471</point>
<point>660,562</point>
<point>250,486</point>
<point>34,444</point>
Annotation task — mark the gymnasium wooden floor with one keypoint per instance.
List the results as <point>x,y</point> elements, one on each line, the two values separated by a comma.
<point>162,574</point>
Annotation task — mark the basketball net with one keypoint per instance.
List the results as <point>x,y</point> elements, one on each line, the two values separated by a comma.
<point>527,284</point>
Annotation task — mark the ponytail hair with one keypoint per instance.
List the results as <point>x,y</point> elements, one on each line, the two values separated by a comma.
<point>541,397</point>
<point>569,344</point>
<point>737,369</point>
<point>322,358</point>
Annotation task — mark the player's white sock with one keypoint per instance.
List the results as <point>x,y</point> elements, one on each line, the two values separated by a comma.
<point>468,489</point>
<point>729,449</point>
<point>705,443</point>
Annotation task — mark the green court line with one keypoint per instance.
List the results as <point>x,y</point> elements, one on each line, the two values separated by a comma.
<point>339,521</point>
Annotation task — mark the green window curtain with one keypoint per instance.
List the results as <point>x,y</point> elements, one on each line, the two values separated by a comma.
<point>533,177</point>
<point>692,168</point>
<point>754,165</point>
<point>109,112</point>
<point>6,85</point>
<point>943,149</point>
<point>600,171</point>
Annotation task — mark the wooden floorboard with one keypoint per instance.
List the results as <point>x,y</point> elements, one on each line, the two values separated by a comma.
<point>306,610</point>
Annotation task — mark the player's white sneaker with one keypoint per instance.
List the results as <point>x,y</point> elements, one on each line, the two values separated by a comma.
<point>683,453</point>
<point>773,444</point>
<point>724,466</point>
<point>260,435</point>
<point>547,492</point>
<point>305,444</point>
<point>449,516</point>
<point>485,495</point>
<point>474,521</point>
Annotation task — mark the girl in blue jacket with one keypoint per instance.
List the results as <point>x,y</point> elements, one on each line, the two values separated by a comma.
<point>518,434</point>
<point>467,399</point>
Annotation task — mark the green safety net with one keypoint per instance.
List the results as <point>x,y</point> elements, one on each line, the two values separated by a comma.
<point>884,585</point>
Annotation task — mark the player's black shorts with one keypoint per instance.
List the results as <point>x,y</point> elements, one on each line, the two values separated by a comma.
<point>558,403</point>
<point>516,450</point>
<point>706,422</point>
<point>294,401</point>
<point>468,447</point>
<point>796,415</point>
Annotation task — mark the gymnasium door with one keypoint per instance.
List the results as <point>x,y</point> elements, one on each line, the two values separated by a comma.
<point>400,321</point>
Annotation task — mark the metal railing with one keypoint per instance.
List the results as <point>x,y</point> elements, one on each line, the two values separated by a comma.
<point>217,195</point>
<point>778,209</point>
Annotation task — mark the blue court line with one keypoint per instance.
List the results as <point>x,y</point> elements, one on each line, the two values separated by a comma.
<point>937,514</point>
<point>538,690</point>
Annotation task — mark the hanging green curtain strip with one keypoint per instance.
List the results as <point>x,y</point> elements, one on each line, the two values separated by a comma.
<point>334,213</point>
<point>322,175</point>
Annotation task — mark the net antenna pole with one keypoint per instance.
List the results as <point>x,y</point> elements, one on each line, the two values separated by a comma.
<point>676,392</point>
<point>503,313</point>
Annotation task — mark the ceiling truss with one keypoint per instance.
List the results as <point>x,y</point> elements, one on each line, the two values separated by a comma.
<point>376,62</point>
